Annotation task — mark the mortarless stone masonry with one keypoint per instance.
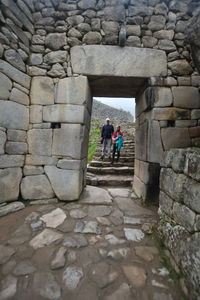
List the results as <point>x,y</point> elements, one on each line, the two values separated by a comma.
<point>50,53</point>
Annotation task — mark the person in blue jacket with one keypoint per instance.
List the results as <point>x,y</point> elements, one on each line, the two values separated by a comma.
<point>106,139</point>
<point>117,138</point>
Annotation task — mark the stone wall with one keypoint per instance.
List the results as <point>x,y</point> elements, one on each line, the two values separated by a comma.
<point>179,209</point>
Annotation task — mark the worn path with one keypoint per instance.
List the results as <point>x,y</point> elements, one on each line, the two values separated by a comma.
<point>97,248</point>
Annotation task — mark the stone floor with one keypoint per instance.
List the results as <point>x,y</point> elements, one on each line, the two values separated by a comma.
<point>98,248</point>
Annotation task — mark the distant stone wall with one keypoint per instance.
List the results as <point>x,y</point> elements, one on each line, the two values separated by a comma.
<point>179,209</point>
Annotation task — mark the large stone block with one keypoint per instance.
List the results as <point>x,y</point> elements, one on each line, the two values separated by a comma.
<point>73,90</point>
<point>9,184</point>
<point>117,61</point>
<point>56,57</point>
<point>2,141</point>
<point>5,86</point>
<point>56,41</point>
<point>18,96</point>
<point>16,148</point>
<point>192,164</point>
<point>70,141</point>
<point>170,113</point>
<point>36,187</point>
<point>14,58</point>
<point>69,164</point>
<point>139,188</point>
<point>40,141</point>
<point>162,97</point>
<point>36,114</point>
<point>180,67</point>
<point>155,151</point>
<point>165,204</point>
<point>15,74</point>
<point>184,216</point>
<point>10,161</point>
<point>16,135</point>
<point>186,97</point>
<point>141,141</point>
<point>14,115</point>
<point>39,160</point>
<point>175,137</point>
<point>42,90</point>
<point>67,184</point>
<point>65,113</point>
<point>172,183</point>
<point>191,194</point>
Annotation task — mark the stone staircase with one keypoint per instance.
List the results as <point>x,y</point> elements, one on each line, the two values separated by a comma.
<point>103,173</point>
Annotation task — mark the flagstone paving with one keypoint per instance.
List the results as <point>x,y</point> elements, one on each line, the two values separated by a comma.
<point>96,248</point>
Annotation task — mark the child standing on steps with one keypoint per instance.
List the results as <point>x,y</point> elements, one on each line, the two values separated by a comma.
<point>117,139</point>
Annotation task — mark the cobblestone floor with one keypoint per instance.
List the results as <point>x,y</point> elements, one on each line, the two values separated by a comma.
<point>97,248</point>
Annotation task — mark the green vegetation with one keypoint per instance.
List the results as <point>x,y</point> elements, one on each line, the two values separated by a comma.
<point>94,139</point>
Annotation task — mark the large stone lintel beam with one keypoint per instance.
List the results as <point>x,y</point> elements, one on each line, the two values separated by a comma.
<point>116,61</point>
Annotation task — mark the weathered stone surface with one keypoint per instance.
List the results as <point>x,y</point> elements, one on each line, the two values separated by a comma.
<point>15,74</point>
<point>73,133</point>
<point>36,187</point>
<point>113,240</point>
<point>165,203</point>
<point>172,183</point>
<point>87,227</point>
<point>133,221</point>
<point>140,10</point>
<point>9,287</point>
<point>5,86</point>
<point>164,34</point>
<point>75,241</point>
<point>163,296</point>
<point>72,276</point>
<point>45,238</point>
<point>115,13</point>
<point>9,184</point>
<point>59,259</point>
<point>123,292</point>
<point>45,285</point>
<point>180,67</point>
<point>69,164</point>
<point>40,141</point>
<point>65,113</point>
<point>14,115</point>
<point>85,4</point>
<point>35,59</point>
<point>16,135</point>
<point>157,22</point>
<point>18,96</point>
<point>191,195</point>
<point>24,268</point>
<point>99,210</point>
<point>145,252</point>
<point>78,213</point>
<point>42,90</point>
<point>13,57</point>
<point>95,195</point>
<point>119,192</point>
<point>192,164</point>
<point>55,41</point>
<point>119,254</point>
<point>116,61</point>
<point>57,70</point>
<point>186,97</point>
<point>58,179</point>
<point>12,207</point>
<point>184,216</point>
<point>152,155</point>
<point>134,235</point>
<point>92,38</point>
<point>54,218</point>
<point>9,161</point>
<point>5,254</point>
<point>136,275</point>
<point>175,137</point>
<point>56,57</point>
<point>149,41</point>
<point>170,113</point>
<point>2,141</point>
<point>37,160</point>
<point>36,114</point>
<point>16,148</point>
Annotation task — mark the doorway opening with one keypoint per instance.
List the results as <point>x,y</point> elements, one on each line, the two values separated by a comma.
<point>111,164</point>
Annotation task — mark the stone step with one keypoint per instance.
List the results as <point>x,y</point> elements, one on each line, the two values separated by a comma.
<point>122,154</point>
<point>100,164</point>
<point>109,180</point>
<point>111,170</point>
<point>123,159</point>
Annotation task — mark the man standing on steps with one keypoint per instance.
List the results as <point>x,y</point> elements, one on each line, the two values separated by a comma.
<point>106,139</point>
